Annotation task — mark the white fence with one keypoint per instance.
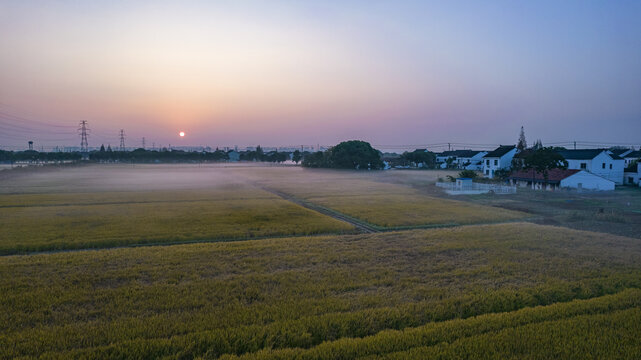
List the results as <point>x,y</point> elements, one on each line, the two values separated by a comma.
<point>475,188</point>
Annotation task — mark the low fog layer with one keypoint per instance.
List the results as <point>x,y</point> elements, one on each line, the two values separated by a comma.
<point>99,178</point>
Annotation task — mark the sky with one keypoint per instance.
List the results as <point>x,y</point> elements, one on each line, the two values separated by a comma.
<point>319,72</point>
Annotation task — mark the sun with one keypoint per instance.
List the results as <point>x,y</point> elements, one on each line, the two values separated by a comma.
<point>182,134</point>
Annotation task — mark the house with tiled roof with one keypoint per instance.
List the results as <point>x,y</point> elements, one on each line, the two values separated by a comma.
<point>601,162</point>
<point>560,179</point>
<point>620,151</point>
<point>632,156</point>
<point>462,159</point>
<point>498,159</point>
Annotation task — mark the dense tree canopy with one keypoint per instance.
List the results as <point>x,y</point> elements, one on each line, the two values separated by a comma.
<point>416,157</point>
<point>544,159</point>
<point>353,154</point>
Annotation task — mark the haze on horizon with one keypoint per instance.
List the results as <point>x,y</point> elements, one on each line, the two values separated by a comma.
<point>288,72</point>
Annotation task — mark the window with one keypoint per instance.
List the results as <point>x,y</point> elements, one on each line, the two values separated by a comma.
<point>487,172</point>
<point>496,162</point>
<point>603,166</point>
<point>487,162</point>
<point>584,166</point>
<point>610,166</point>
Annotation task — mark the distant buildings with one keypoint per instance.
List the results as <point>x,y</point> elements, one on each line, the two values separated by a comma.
<point>600,162</point>
<point>560,178</point>
<point>498,159</point>
<point>630,157</point>
<point>461,159</point>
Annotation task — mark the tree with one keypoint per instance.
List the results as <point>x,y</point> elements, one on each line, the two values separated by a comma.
<point>316,160</point>
<point>297,156</point>
<point>543,160</point>
<point>355,154</point>
<point>470,174</point>
<point>522,144</point>
<point>416,157</point>
<point>537,145</point>
<point>102,148</point>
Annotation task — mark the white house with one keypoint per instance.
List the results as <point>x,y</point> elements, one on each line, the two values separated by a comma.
<point>631,157</point>
<point>633,177</point>
<point>597,161</point>
<point>561,179</point>
<point>498,159</point>
<point>462,159</point>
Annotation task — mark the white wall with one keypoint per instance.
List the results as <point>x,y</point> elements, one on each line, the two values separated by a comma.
<point>588,181</point>
<point>634,176</point>
<point>612,170</point>
<point>495,163</point>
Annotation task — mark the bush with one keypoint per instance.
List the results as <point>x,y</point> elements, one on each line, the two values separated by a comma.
<point>471,174</point>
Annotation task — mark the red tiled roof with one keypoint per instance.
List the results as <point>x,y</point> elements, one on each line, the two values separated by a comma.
<point>554,175</point>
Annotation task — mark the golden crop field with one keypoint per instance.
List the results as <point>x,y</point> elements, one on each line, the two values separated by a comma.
<point>37,222</point>
<point>392,210</point>
<point>385,204</point>
<point>451,292</point>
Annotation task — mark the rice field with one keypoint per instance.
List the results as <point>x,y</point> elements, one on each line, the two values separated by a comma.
<point>399,210</point>
<point>439,292</point>
<point>504,290</point>
<point>36,222</point>
<point>388,205</point>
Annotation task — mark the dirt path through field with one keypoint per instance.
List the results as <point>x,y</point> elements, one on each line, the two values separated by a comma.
<point>361,226</point>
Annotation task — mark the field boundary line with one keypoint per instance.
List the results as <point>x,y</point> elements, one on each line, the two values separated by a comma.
<point>362,226</point>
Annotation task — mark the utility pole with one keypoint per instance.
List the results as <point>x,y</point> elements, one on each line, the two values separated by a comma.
<point>122,140</point>
<point>575,145</point>
<point>84,144</point>
<point>449,147</point>
<point>143,143</point>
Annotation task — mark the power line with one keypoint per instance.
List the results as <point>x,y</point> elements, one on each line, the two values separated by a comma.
<point>10,116</point>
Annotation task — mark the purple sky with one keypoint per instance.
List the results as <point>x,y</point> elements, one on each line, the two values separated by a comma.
<point>289,72</point>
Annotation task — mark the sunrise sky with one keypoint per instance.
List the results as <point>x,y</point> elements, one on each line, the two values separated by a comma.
<point>306,72</point>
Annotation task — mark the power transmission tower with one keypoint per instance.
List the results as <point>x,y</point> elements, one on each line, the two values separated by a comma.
<point>122,140</point>
<point>143,142</point>
<point>84,144</point>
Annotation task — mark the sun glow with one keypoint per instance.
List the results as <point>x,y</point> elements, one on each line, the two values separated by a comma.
<point>182,134</point>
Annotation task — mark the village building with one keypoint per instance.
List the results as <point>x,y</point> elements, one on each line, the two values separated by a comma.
<point>620,151</point>
<point>560,179</point>
<point>600,162</point>
<point>632,175</point>
<point>631,157</point>
<point>461,159</point>
<point>498,159</point>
